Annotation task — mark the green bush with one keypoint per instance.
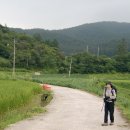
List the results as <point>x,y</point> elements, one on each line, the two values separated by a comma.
<point>4,62</point>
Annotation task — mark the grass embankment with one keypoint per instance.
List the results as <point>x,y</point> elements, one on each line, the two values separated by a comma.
<point>7,75</point>
<point>19,99</point>
<point>94,83</point>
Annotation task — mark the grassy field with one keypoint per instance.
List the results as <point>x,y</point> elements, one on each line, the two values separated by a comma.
<point>7,75</point>
<point>19,99</point>
<point>94,83</point>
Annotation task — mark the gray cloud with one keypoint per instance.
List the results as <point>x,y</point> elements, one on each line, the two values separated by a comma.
<point>56,14</point>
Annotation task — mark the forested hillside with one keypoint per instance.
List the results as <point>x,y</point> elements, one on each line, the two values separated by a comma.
<point>31,52</point>
<point>106,35</point>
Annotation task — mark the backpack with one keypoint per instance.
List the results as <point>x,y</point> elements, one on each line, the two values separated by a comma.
<point>114,88</point>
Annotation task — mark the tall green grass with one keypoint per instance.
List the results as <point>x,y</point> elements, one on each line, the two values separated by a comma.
<point>14,94</point>
<point>7,75</point>
<point>19,99</point>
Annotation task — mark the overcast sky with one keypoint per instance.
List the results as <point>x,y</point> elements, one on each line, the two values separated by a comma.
<point>58,14</point>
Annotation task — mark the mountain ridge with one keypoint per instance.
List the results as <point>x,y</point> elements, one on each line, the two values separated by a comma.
<point>75,39</point>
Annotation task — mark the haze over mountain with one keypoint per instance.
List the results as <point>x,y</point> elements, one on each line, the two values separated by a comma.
<point>85,37</point>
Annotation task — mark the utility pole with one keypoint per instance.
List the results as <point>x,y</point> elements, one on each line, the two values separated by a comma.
<point>87,48</point>
<point>98,51</point>
<point>13,73</point>
<point>70,67</point>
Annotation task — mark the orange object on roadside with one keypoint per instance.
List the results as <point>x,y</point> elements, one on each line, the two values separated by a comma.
<point>46,87</point>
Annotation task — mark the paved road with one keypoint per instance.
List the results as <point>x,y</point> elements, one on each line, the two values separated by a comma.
<point>71,110</point>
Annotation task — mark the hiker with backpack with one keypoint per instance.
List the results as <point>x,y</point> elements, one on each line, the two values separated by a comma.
<point>109,97</point>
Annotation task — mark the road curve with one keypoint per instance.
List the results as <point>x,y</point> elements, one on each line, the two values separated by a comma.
<point>71,109</point>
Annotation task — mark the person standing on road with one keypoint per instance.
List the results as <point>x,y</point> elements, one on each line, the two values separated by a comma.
<point>109,97</point>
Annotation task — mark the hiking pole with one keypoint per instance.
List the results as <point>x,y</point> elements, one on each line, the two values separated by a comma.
<point>102,106</point>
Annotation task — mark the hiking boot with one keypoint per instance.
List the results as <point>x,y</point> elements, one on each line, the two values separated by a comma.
<point>105,124</point>
<point>112,123</point>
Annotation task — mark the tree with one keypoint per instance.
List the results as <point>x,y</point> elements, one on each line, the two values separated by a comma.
<point>37,36</point>
<point>53,43</point>
<point>122,48</point>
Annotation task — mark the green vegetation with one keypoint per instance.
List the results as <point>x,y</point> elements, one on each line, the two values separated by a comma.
<point>16,93</point>
<point>7,75</point>
<point>34,53</point>
<point>85,63</point>
<point>20,99</point>
<point>94,83</point>
<point>31,51</point>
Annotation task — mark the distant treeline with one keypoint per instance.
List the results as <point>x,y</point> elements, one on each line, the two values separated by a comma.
<point>86,63</point>
<point>34,53</point>
<point>89,63</point>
